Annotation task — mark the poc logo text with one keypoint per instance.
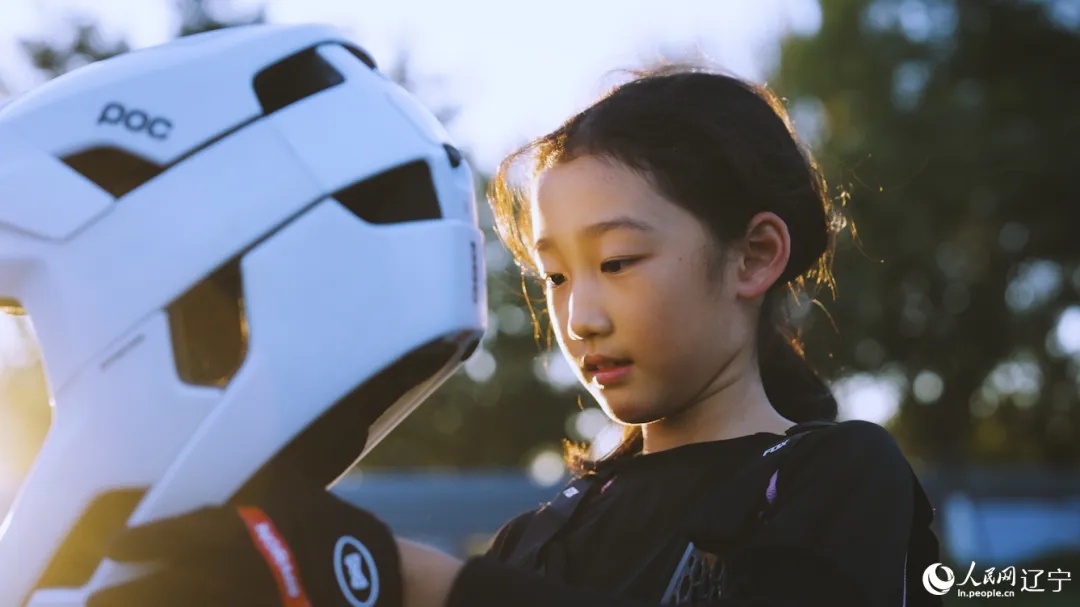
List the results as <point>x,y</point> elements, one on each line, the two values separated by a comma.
<point>135,120</point>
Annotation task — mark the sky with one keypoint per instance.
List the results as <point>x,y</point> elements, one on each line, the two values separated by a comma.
<point>515,70</point>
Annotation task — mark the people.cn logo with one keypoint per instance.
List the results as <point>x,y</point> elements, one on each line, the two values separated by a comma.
<point>937,585</point>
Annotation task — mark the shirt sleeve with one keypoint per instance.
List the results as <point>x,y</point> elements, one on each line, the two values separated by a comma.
<point>838,536</point>
<point>840,528</point>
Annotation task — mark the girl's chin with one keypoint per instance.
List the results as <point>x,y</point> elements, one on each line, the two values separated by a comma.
<point>629,413</point>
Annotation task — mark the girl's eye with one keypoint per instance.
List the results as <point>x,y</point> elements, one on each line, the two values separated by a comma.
<point>613,266</point>
<point>616,265</point>
<point>555,279</point>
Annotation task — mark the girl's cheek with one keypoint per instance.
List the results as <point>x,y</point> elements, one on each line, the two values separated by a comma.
<point>650,324</point>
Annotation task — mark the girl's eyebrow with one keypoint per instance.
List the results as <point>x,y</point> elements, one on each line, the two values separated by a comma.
<point>597,229</point>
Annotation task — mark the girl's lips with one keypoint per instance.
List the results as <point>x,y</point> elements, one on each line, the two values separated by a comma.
<point>611,375</point>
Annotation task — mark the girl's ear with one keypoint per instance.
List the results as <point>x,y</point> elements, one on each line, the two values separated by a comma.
<point>764,250</point>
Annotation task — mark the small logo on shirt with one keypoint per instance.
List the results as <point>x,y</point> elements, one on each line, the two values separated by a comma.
<point>607,485</point>
<point>775,447</point>
<point>357,575</point>
<point>571,492</point>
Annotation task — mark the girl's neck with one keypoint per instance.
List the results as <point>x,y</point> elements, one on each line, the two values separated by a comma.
<point>728,409</point>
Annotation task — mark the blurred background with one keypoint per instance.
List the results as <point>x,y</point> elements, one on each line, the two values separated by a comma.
<point>951,128</point>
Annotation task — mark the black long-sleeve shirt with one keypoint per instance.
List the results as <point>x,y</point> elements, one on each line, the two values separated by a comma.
<point>838,534</point>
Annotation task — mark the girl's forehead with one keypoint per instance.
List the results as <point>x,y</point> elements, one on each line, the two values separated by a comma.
<point>589,189</point>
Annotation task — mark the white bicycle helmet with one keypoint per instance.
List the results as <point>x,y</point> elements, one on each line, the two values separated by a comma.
<point>236,249</point>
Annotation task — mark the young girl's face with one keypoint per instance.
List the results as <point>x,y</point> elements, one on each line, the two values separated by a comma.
<point>627,277</point>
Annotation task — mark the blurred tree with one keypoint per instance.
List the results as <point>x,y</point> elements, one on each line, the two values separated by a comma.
<point>197,16</point>
<point>87,44</point>
<point>953,126</point>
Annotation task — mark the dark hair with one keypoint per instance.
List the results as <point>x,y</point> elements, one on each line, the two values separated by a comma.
<point>724,150</point>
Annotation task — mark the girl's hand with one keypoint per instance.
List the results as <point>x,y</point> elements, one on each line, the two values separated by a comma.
<point>296,545</point>
<point>428,574</point>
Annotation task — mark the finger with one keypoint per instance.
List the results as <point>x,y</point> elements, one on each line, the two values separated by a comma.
<point>180,537</point>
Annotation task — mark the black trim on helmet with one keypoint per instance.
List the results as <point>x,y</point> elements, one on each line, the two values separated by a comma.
<point>112,169</point>
<point>404,193</point>
<point>208,326</point>
<point>293,78</point>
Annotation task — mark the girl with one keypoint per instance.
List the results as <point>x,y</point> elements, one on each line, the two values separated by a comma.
<point>667,222</point>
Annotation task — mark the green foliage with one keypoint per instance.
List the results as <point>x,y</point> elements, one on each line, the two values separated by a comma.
<point>87,45</point>
<point>953,127</point>
<point>197,16</point>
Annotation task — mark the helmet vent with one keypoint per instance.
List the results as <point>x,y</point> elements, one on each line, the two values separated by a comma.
<point>404,193</point>
<point>209,328</point>
<point>112,169</point>
<point>294,78</point>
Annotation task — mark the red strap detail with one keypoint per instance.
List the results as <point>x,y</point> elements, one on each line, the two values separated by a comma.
<point>277,555</point>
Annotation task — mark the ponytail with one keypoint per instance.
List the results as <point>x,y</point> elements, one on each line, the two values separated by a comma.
<point>791,385</point>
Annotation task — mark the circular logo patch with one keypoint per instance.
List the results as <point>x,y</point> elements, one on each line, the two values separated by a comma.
<point>356,572</point>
